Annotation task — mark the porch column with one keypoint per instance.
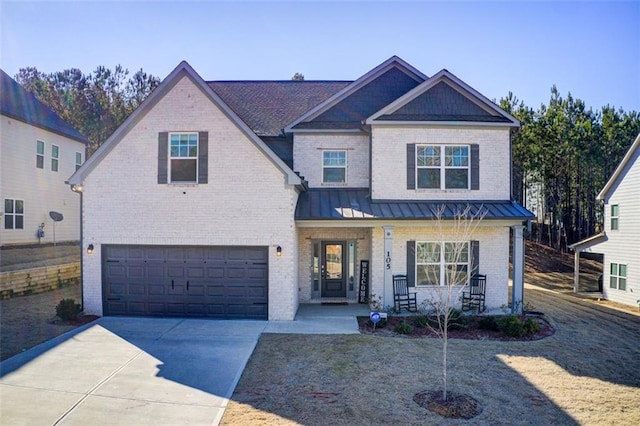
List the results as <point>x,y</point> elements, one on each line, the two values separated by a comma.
<point>518,271</point>
<point>388,262</point>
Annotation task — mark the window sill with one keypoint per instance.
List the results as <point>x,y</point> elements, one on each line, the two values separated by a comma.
<point>183,184</point>
<point>337,184</point>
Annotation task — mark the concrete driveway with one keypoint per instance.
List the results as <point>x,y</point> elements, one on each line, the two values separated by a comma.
<point>129,371</point>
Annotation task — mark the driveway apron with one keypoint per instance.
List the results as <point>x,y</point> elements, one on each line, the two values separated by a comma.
<point>129,371</point>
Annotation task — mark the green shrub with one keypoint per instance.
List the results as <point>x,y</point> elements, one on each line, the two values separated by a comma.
<point>457,319</point>
<point>381,324</point>
<point>403,328</point>
<point>513,326</point>
<point>421,321</point>
<point>488,323</point>
<point>68,310</point>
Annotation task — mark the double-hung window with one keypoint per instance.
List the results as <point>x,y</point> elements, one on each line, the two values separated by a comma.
<point>78,160</point>
<point>615,217</point>
<point>442,263</point>
<point>55,155</point>
<point>618,276</point>
<point>40,154</point>
<point>442,166</point>
<point>183,157</point>
<point>334,166</point>
<point>13,214</point>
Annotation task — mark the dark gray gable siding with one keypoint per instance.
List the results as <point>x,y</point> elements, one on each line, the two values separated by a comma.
<point>203,157</point>
<point>442,103</point>
<point>368,99</point>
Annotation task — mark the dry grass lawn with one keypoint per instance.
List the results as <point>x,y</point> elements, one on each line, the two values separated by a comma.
<point>587,373</point>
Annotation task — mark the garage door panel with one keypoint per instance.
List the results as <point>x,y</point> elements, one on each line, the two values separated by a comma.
<point>212,282</point>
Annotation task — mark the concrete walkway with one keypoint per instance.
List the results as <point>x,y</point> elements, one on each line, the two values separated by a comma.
<point>144,371</point>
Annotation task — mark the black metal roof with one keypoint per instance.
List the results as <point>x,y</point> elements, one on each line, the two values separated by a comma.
<point>18,103</point>
<point>356,204</point>
<point>268,106</point>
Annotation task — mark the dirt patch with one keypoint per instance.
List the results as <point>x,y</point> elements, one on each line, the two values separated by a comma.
<point>81,320</point>
<point>456,406</point>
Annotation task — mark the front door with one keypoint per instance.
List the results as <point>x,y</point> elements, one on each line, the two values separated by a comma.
<point>333,275</point>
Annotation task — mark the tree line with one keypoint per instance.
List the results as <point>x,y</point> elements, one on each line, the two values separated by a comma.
<point>563,154</point>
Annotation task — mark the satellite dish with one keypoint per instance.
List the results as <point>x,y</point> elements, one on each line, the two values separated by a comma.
<point>57,217</point>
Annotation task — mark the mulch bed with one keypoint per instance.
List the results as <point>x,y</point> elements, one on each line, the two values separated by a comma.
<point>456,406</point>
<point>81,320</point>
<point>471,332</point>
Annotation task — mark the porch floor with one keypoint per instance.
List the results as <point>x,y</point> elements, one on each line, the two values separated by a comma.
<point>315,318</point>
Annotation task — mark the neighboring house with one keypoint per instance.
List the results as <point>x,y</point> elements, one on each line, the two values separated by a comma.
<point>619,240</point>
<point>247,198</point>
<point>38,153</point>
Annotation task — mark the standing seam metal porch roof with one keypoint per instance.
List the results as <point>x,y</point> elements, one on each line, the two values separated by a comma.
<point>356,204</point>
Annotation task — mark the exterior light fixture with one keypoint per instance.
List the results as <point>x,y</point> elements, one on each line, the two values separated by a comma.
<point>76,188</point>
<point>279,251</point>
<point>90,249</point>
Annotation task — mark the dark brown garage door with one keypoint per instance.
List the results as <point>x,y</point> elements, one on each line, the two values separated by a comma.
<point>208,282</point>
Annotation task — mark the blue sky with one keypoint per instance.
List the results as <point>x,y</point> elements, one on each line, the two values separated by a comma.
<point>591,49</point>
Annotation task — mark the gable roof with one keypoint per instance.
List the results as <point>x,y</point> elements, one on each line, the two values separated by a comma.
<point>268,106</point>
<point>183,69</point>
<point>18,103</point>
<point>630,157</point>
<point>346,109</point>
<point>442,99</point>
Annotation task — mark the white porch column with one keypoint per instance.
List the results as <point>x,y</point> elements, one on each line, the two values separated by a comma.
<point>518,271</point>
<point>388,265</point>
<point>576,270</point>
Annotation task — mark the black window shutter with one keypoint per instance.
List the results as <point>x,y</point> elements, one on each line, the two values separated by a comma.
<point>475,257</point>
<point>411,263</point>
<point>203,157</point>
<point>411,166</point>
<point>163,153</point>
<point>475,167</point>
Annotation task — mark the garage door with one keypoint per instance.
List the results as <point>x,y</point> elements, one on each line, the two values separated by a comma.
<point>208,282</point>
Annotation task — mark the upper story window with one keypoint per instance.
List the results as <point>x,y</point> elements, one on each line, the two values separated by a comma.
<point>55,155</point>
<point>334,166</point>
<point>442,263</point>
<point>13,214</point>
<point>615,217</point>
<point>183,157</point>
<point>618,276</point>
<point>78,160</point>
<point>40,154</point>
<point>442,167</point>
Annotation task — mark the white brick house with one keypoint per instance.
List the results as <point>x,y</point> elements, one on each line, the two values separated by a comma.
<point>618,242</point>
<point>244,199</point>
<point>38,153</point>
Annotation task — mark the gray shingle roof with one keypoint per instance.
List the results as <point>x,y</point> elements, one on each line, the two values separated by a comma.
<point>18,103</point>
<point>268,106</point>
<point>355,203</point>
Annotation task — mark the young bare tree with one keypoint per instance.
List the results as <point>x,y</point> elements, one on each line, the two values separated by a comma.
<point>453,250</point>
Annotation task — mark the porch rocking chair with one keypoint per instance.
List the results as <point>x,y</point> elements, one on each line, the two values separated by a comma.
<point>402,298</point>
<point>473,297</point>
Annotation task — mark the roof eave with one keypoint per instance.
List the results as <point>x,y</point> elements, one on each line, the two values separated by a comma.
<point>82,139</point>
<point>604,194</point>
<point>442,123</point>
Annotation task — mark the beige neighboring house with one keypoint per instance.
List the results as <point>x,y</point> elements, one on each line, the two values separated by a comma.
<point>39,151</point>
<point>619,240</point>
<point>244,199</point>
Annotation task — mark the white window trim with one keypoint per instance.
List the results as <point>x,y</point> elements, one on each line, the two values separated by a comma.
<point>617,276</point>
<point>44,147</point>
<point>442,264</point>
<point>443,167</point>
<point>345,167</point>
<point>616,217</point>
<point>14,214</point>
<point>56,158</point>
<point>169,158</point>
<point>80,163</point>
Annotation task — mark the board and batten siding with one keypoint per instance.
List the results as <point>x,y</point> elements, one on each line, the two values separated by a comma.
<point>42,190</point>
<point>621,246</point>
<point>246,201</point>
<point>307,157</point>
<point>389,161</point>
